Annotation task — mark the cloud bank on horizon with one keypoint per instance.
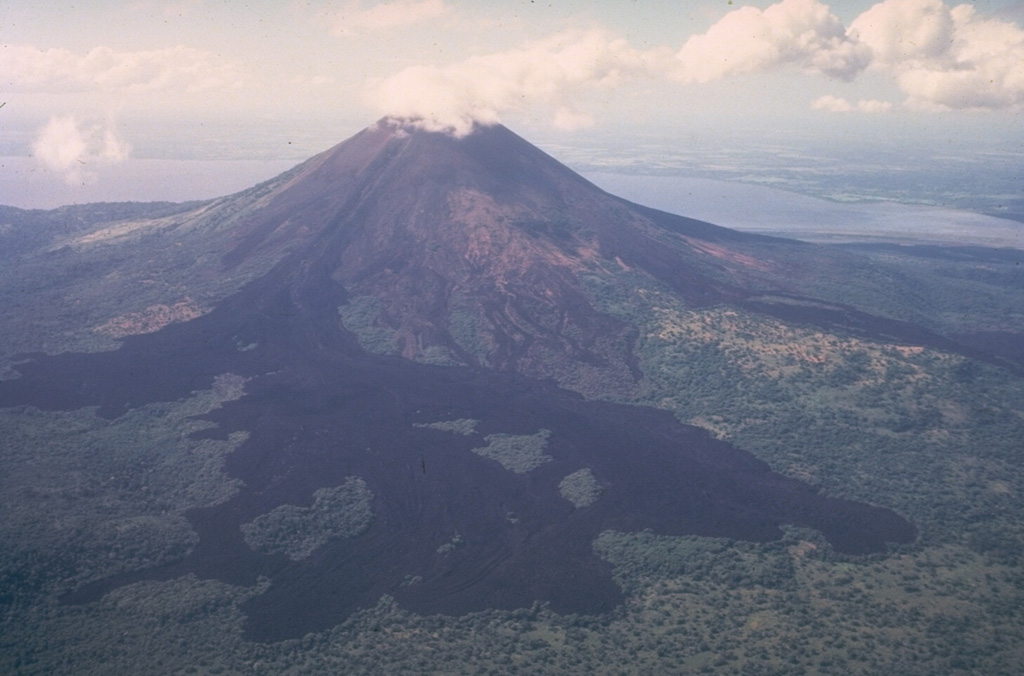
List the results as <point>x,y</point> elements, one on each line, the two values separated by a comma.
<point>436,62</point>
<point>941,58</point>
<point>103,69</point>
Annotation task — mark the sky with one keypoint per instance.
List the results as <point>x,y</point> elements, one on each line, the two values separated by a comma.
<point>89,86</point>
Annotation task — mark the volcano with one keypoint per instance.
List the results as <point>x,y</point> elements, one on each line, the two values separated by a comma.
<point>474,251</point>
<point>413,318</point>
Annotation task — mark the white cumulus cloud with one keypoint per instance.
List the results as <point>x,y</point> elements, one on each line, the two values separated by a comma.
<point>800,33</point>
<point>835,104</point>
<point>943,57</point>
<point>29,68</point>
<point>553,72</point>
<point>940,57</point>
<point>74,150</point>
<point>905,31</point>
<point>356,18</point>
<point>873,106</point>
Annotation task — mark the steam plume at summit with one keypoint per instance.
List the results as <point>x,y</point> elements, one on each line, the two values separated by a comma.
<point>554,72</point>
<point>940,57</point>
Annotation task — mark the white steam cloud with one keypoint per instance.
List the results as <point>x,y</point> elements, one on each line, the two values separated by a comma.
<point>940,57</point>
<point>76,151</point>
<point>554,72</point>
<point>559,71</point>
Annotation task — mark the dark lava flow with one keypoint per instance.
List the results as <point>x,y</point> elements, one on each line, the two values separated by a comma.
<point>319,409</point>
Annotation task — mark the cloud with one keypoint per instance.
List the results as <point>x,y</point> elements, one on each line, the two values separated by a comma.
<point>945,58</point>
<point>355,18</point>
<point>800,33</point>
<point>940,57</point>
<point>64,146</point>
<point>873,106</point>
<point>832,104</point>
<point>835,104</point>
<point>905,31</point>
<point>554,72</point>
<point>29,68</point>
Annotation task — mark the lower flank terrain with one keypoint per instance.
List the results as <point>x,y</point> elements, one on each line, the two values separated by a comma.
<point>461,511</point>
<point>436,405</point>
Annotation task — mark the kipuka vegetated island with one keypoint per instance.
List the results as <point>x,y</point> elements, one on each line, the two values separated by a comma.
<point>427,404</point>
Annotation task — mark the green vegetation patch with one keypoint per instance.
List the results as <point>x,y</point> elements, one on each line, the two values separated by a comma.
<point>340,512</point>
<point>92,497</point>
<point>468,327</point>
<point>452,544</point>
<point>362,316</point>
<point>438,355</point>
<point>463,426</point>
<point>517,453</point>
<point>640,558</point>
<point>80,283</point>
<point>580,488</point>
<point>933,435</point>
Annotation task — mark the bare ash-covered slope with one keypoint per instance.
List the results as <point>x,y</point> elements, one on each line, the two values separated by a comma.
<point>484,250</point>
<point>478,487</point>
<point>474,250</point>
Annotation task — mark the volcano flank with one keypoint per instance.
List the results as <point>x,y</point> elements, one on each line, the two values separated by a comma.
<point>415,346</point>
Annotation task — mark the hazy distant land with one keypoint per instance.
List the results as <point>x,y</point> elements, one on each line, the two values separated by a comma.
<point>733,204</point>
<point>770,211</point>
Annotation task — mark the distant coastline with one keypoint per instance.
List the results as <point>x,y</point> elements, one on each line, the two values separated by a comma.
<point>733,204</point>
<point>771,211</point>
<point>26,185</point>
